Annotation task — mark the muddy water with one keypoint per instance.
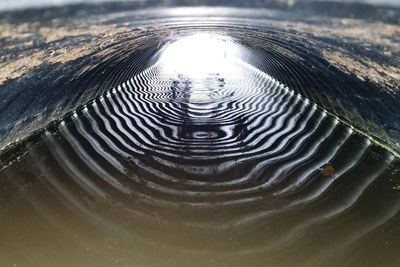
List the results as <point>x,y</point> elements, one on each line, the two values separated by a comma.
<point>192,166</point>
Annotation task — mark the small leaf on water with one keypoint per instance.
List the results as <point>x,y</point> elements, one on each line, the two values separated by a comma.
<point>327,169</point>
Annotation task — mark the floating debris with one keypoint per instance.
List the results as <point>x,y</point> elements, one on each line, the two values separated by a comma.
<point>327,170</point>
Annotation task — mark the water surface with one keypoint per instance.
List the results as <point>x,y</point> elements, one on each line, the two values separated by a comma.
<point>200,160</point>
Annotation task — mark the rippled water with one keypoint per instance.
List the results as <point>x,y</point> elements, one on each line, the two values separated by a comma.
<point>218,165</point>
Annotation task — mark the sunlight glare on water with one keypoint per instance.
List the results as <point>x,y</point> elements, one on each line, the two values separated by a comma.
<point>199,55</point>
<point>196,154</point>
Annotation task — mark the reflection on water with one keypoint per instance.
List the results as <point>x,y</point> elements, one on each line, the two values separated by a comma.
<point>223,167</point>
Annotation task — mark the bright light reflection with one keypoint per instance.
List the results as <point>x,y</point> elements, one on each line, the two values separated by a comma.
<point>199,55</point>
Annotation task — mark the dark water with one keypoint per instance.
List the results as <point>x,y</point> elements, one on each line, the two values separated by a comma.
<point>203,161</point>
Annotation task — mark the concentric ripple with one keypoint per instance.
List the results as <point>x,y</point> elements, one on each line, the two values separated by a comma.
<point>236,133</point>
<point>233,166</point>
